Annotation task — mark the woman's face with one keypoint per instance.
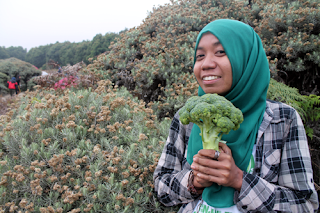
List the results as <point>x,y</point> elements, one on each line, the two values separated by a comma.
<point>212,67</point>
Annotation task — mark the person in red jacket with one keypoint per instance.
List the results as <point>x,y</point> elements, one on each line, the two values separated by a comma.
<point>12,85</point>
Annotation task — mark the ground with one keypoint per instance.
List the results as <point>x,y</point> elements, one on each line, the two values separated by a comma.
<point>7,101</point>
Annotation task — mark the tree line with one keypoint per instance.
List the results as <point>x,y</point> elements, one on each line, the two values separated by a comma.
<point>62,53</point>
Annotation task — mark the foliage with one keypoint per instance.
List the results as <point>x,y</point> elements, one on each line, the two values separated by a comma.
<point>70,53</point>
<point>154,62</point>
<point>88,151</point>
<point>11,67</point>
<point>70,76</point>
<point>150,58</point>
<point>15,52</point>
<point>3,53</point>
<point>66,82</point>
<point>290,31</point>
<point>3,82</point>
<point>37,56</point>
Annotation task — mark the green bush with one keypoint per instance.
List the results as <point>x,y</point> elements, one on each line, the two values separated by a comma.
<point>290,31</point>
<point>88,151</point>
<point>3,82</point>
<point>12,66</point>
<point>149,59</point>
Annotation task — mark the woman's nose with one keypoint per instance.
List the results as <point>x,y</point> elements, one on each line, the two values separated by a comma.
<point>209,63</point>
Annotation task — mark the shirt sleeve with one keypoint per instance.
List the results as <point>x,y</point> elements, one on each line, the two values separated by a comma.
<point>286,185</point>
<point>172,172</point>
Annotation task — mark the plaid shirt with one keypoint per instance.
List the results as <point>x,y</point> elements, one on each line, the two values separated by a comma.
<point>282,179</point>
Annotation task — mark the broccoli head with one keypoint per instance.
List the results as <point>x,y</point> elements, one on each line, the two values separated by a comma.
<point>215,116</point>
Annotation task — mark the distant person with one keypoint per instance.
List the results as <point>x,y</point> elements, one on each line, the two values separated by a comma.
<point>18,81</point>
<point>59,70</point>
<point>12,85</point>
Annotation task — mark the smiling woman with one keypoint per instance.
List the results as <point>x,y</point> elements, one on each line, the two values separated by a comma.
<point>265,165</point>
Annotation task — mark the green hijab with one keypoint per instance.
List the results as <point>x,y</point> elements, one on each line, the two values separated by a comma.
<point>251,76</point>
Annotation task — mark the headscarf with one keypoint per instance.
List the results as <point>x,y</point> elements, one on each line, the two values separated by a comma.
<point>250,80</point>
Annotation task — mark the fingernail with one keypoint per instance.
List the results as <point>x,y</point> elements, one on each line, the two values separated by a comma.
<point>193,167</point>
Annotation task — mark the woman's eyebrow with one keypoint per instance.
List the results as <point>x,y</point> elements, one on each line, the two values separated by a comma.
<point>214,45</point>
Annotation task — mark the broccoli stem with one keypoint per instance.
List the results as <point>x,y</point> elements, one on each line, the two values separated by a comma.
<point>211,136</point>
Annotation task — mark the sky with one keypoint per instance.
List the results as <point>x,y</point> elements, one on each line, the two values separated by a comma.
<point>33,23</point>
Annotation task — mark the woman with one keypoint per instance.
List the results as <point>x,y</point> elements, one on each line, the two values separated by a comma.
<point>230,61</point>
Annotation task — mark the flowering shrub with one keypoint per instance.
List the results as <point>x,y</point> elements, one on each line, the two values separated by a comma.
<point>83,151</point>
<point>71,76</point>
<point>66,82</point>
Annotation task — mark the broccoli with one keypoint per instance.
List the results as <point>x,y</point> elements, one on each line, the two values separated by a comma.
<point>215,116</point>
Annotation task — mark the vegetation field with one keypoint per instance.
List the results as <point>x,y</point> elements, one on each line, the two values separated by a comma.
<point>93,147</point>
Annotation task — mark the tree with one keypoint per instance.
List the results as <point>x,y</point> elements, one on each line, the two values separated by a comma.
<point>3,53</point>
<point>17,52</point>
<point>38,55</point>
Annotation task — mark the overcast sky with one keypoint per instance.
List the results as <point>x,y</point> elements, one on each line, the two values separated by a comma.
<point>32,23</point>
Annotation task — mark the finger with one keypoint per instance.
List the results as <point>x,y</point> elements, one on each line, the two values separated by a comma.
<point>225,148</point>
<point>200,156</point>
<point>202,161</point>
<point>202,182</point>
<point>209,178</point>
<point>209,153</point>
<point>204,164</point>
<point>196,167</point>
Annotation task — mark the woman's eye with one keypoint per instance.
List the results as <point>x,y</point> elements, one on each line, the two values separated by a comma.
<point>221,52</point>
<point>200,55</point>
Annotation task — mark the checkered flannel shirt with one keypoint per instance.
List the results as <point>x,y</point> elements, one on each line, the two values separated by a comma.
<point>282,179</point>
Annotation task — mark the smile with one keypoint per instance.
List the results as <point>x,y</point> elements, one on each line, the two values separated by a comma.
<point>208,78</point>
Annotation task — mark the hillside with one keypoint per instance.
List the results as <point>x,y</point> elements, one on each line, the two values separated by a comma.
<point>11,67</point>
<point>155,59</point>
<point>94,147</point>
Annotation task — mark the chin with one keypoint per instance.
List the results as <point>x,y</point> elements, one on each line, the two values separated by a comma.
<point>210,91</point>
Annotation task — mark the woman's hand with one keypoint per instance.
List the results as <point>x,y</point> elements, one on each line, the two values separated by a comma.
<point>222,171</point>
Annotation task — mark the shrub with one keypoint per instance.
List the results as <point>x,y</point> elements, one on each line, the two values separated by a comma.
<point>3,83</point>
<point>71,76</point>
<point>85,151</point>
<point>290,31</point>
<point>66,82</point>
<point>12,66</point>
<point>149,59</point>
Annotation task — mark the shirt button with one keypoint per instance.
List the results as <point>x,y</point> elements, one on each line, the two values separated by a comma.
<point>245,207</point>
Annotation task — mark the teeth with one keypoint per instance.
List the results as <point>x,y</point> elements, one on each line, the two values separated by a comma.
<point>207,78</point>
